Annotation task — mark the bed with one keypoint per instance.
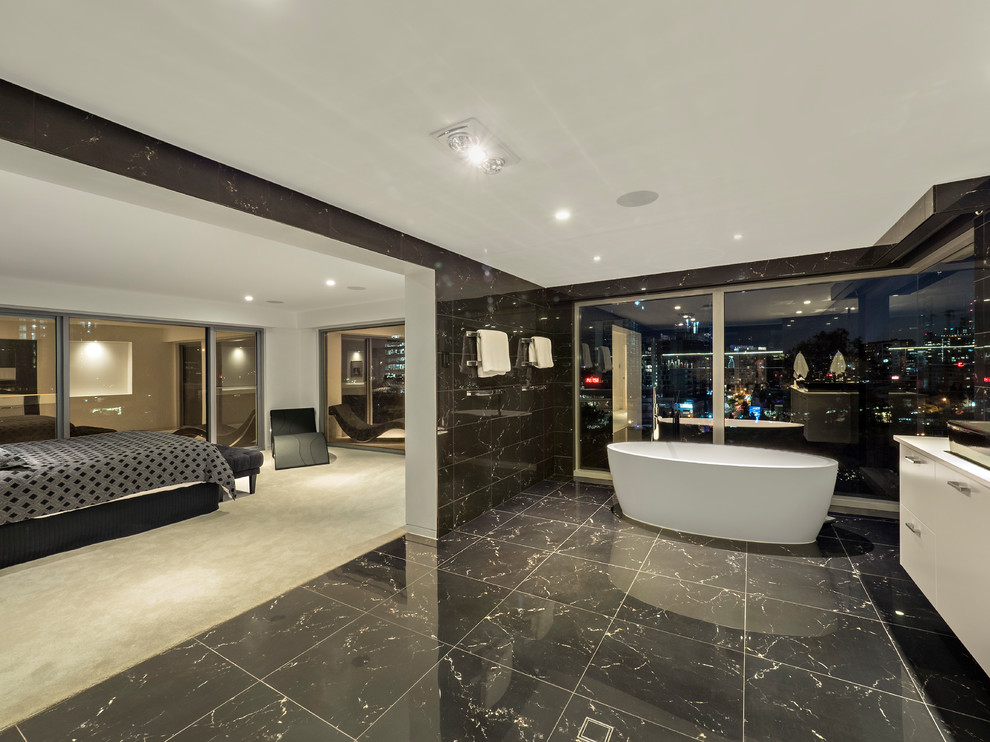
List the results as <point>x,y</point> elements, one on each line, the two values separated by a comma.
<point>61,494</point>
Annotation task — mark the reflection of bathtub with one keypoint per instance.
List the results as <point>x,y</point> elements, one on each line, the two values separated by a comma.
<point>752,494</point>
<point>741,431</point>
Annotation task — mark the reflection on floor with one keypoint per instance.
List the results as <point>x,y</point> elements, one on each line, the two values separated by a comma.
<point>551,619</point>
<point>69,620</point>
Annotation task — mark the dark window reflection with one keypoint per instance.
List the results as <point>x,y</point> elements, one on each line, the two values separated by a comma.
<point>27,379</point>
<point>839,368</point>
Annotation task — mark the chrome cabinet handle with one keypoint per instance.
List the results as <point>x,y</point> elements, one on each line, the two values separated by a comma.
<point>915,460</point>
<point>959,486</point>
<point>913,528</point>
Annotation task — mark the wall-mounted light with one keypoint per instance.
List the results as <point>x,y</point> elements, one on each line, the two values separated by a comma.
<point>476,145</point>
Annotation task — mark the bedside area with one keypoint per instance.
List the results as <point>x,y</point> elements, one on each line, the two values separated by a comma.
<point>945,513</point>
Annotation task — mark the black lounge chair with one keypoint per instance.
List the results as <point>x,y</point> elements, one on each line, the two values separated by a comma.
<point>295,440</point>
<point>357,429</point>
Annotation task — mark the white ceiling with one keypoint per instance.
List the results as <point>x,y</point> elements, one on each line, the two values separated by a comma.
<point>804,127</point>
<point>70,236</point>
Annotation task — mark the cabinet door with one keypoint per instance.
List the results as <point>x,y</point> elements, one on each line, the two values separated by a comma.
<point>962,554</point>
<point>918,553</point>
<point>918,485</point>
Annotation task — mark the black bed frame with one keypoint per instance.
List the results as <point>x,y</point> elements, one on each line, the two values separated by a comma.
<point>31,539</point>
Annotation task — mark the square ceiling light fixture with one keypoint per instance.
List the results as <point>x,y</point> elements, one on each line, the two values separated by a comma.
<point>474,144</point>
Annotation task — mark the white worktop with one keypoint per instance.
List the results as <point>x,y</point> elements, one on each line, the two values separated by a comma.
<point>938,448</point>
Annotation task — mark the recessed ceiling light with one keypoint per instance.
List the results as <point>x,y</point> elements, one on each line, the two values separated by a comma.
<point>331,282</point>
<point>562,215</point>
<point>737,236</point>
<point>248,298</point>
<point>807,301</point>
<point>597,258</point>
<point>677,308</point>
<point>799,312</point>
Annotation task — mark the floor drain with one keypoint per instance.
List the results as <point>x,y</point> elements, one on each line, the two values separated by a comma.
<point>594,731</point>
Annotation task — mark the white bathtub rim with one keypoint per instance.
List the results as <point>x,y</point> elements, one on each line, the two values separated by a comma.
<point>778,459</point>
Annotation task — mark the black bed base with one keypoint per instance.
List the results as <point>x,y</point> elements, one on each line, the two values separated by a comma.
<point>32,539</point>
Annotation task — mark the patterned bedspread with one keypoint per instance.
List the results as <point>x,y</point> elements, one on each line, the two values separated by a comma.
<point>53,476</point>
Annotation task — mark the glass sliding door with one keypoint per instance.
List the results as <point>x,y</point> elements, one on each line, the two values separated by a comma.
<point>644,373</point>
<point>132,375</point>
<point>365,387</point>
<point>237,388</point>
<point>27,379</point>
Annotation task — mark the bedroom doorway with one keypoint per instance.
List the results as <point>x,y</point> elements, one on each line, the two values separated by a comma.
<point>364,383</point>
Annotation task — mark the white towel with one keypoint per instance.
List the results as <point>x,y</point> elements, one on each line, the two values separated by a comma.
<point>540,352</point>
<point>606,358</point>
<point>493,353</point>
<point>585,355</point>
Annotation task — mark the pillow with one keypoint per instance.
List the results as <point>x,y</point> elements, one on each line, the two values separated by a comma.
<point>11,460</point>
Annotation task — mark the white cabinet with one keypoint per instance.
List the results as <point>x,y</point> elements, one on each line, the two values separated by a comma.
<point>945,514</point>
<point>963,557</point>
<point>917,479</point>
<point>918,553</point>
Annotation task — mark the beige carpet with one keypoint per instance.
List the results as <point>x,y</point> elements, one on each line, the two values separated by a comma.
<point>71,620</point>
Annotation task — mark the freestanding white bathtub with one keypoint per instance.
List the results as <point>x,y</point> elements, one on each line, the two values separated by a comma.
<point>732,492</point>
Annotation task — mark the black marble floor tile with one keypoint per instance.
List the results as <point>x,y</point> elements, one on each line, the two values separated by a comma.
<point>901,603</point>
<point>596,587</point>
<point>880,560</point>
<point>585,719</point>
<point>496,561</point>
<point>561,508</point>
<point>485,522</point>
<point>609,547</point>
<point>961,728</point>
<point>856,529</point>
<point>444,605</point>
<point>785,703</point>
<point>468,698</point>
<point>261,715</point>
<point>544,488</point>
<point>151,701</point>
<point>702,612</point>
<point>519,503</point>
<point>542,638</point>
<point>707,565</point>
<point>10,734</point>
<point>688,686</point>
<point>825,552</point>
<point>351,678</point>
<point>948,675</point>
<point>583,492</point>
<point>429,555</point>
<point>605,519</point>
<point>808,584</point>
<point>363,582</point>
<point>270,635</point>
<point>846,647</point>
<point>540,533</point>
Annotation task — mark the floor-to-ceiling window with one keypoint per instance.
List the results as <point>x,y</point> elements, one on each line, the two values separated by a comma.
<point>834,367</point>
<point>365,387</point>
<point>133,375</point>
<point>66,375</point>
<point>645,371</point>
<point>27,378</point>
<point>237,387</point>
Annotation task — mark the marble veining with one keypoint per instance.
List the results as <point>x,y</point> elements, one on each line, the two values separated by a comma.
<point>484,639</point>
